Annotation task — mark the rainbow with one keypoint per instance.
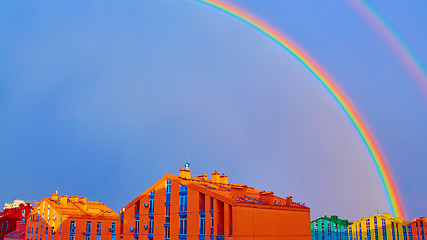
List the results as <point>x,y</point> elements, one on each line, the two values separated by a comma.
<point>385,174</point>
<point>395,41</point>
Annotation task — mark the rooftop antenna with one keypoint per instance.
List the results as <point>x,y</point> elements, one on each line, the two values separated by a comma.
<point>187,165</point>
<point>57,190</point>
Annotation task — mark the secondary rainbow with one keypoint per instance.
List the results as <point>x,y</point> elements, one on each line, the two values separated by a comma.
<point>385,175</point>
<point>395,41</point>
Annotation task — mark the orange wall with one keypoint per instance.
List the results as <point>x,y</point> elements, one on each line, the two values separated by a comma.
<point>264,224</point>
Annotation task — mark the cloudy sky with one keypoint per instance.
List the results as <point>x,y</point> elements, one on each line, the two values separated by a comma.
<point>104,98</point>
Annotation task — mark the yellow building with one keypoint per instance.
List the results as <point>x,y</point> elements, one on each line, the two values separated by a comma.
<point>378,227</point>
<point>71,218</point>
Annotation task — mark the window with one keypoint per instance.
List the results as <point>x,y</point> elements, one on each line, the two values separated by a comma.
<point>150,226</point>
<point>167,211</point>
<point>393,234</point>
<point>136,227</point>
<point>368,229</point>
<point>422,230</point>
<point>418,233</point>
<point>183,203</point>
<point>405,236</point>
<point>376,228</point>
<point>384,229</point>
<point>360,230</point>
<point>151,208</point>
<point>167,232</point>
<point>73,227</point>
<point>329,231</point>
<point>410,232</point>
<point>183,226</point>
<point>113,231</point>
<point>350,233</point>
<point>202,225</point>
<point>98,231</point>
<point>88,226</point>
<point>168,186</point>
<point>322,225</point>
<point>7,225</point>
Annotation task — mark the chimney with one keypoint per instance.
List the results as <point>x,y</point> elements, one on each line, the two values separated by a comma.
<point>216,177</point>
<point>223,179</point>
<point>74,198</point>
<point>83,200</point>
<point>55,197</point>
<point>184,173</point>
<point>202,177</point>
<point>63,200</point>
<point>289,201</point>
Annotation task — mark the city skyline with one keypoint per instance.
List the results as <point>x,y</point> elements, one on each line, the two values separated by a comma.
<point>91,93</point>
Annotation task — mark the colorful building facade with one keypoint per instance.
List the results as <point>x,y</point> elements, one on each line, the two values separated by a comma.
<point>71,218</point>
<point>329,228</point>
<point>11,215</point>
<point>417,229</point>
<point>18,233</point>
<point>379,227</point>
<point>182,207</point>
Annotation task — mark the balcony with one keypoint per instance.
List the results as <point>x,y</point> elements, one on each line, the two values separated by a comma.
<point>201,237</point>
<point>182,236</point>
<point>202,213</point>
<point>136,215</point>
<point>151,214</point>
<point>220,237</point>
<point>150,235</point>
<point>183,213</point>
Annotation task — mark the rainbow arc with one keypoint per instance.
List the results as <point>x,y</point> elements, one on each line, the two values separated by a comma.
<point>331,87</point>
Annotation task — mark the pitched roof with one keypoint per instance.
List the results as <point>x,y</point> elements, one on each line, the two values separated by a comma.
<point>230,193</point>
<point>77,207</point>
<point>335,219</point>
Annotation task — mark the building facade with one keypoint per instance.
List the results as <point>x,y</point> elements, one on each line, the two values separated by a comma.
<point>417,229</point>
<point>329,228</point>
<point>182,207</point>
<point>379,227</point>
<point>11,215</point>
<point>18,233</point>
<point>71,218</point>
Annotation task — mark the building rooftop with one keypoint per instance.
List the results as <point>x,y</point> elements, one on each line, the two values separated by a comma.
<point>77,207</point>
<point>335,219</point>
<point>231,193</point>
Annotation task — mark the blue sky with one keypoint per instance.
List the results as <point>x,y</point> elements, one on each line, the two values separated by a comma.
<point>104,98</point>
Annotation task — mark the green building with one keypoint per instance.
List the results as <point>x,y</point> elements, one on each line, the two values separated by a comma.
<point>329,228</point>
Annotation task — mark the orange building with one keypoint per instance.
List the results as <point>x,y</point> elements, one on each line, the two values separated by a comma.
<point>416,229</point>
<point>182,207</point>
<point>71,218</point>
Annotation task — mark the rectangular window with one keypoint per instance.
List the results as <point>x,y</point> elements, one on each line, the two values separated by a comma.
<point>73,227</point>
<point>418,233</point>
<point>329,231</point>
<point>183,203</point>
<point>393,234</point>
<point>368,229</point>
<point>360,230</point>
<point>202,225</point>
<point>136,226</point>
<point>384,227</point>
<point>150,226</point>
<point>350,232</point>
<point>98,228</point>
<point>183,226</point>
<point>113,231</point>
<point>376,228</point>
<point>88,226</point>
<point>168,186</point>
<point>167,232</point>
<point>405,235</point>
<point>422,230</point>
<point>410,232</point>
<point>151,208</point>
